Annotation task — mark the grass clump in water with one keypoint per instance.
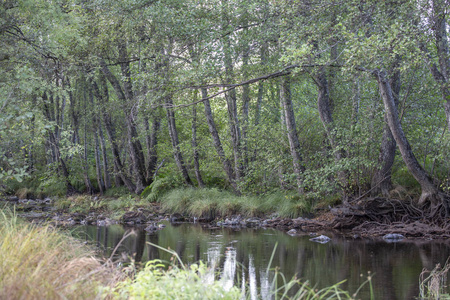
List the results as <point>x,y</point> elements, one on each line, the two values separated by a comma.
<point>41,263</point>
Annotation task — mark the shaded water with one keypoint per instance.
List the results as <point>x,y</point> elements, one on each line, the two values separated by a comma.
<point>246,254</point>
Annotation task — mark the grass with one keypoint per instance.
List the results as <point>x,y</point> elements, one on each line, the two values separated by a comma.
<point>432,284</point>
<point>41,263</point>
<point>211,202</point>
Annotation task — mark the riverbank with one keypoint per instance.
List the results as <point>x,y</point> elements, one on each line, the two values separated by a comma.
<point>370,217</point>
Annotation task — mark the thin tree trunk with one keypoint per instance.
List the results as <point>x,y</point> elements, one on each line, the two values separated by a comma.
<point>152,142</point>
<point>198,175</point>
<point>118,166</point>
<point>106,175</point>
<point>95,126</point>
<point>294,143</point>
<point>175,142</point>
<point>217,143</point>
<point>135,148</point>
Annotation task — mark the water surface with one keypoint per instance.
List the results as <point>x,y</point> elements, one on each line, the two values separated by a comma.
<point>246,253</point>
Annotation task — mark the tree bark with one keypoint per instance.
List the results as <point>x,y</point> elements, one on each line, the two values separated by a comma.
<point>294,143</point>
<point>217,143</point>
<point>198,175</point>
<point>381,180</point>
<point>103,97</point>
<point>175,142</point>
<point>135,148</point>
<point>325,113</point>
<point>430,192</point>
<point>152,142</point>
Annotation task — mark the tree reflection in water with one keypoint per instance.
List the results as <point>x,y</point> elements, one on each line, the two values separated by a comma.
<point>242,256</point>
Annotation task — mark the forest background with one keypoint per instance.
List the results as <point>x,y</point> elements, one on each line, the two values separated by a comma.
<point>313,100</point>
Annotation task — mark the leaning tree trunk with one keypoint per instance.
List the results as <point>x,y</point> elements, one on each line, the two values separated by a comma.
<point>381,180</point>
<point>217,143</point>
<point>294,143</point>
<point>430,193</point>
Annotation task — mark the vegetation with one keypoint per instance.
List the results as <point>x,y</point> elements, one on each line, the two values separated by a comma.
<point>40,262</point>
<point>251,97</point>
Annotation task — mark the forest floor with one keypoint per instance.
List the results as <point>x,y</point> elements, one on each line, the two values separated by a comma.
<point>368,218</point>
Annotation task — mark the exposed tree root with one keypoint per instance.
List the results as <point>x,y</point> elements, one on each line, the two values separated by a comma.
<point>380,216</point>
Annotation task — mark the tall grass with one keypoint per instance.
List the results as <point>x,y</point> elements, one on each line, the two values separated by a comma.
<point>41,263</point>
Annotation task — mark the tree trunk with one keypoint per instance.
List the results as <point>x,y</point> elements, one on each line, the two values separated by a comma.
<point>217,143</point>
<point>198,175</point>
<point>106,174</point>
<point>381,180</point>
<point>103,97</point>
<point>135,148</point>
<point>152,142</point>
<point>294,144</point>
<point>442,74</point>
<point>430,193</point>
<point>175,142</point>
<point>95,126</point>
<point>325,113</point>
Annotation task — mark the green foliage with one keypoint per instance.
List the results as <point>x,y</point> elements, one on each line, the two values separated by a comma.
<point>160,186</point>
<point>176,283</point>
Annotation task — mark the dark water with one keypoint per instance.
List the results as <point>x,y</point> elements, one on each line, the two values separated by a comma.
<point>246,254</point>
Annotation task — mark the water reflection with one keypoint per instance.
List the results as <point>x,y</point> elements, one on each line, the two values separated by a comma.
<point>243,256</point>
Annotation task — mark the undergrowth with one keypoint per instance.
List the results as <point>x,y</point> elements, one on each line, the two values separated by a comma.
<point>41,263</point>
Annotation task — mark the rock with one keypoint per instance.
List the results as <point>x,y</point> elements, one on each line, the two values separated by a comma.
<point>393,237</point>
<point>48,201</point>
<point>176,217</point>
<point>151,228</point>
<point>13,199</point>
<point>292,232</point>
<point>322,239</point>
<point>133,217</point>
<point>253,222</point>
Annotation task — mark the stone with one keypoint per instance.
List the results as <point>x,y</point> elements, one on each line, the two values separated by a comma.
<point>292,232</point>
<point>322,239</point>
<point>393,237</point>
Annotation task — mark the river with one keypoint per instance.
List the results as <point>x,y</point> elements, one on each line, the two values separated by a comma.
<point>237,254</point>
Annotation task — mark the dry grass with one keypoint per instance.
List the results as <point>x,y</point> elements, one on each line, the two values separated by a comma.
<point>41,263</point>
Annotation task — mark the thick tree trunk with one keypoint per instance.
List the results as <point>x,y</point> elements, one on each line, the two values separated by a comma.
<point>294,143</point>
<point>381,180</point>
<point>217,143</point>
<point>198,175</point>
<point>430,192</point>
